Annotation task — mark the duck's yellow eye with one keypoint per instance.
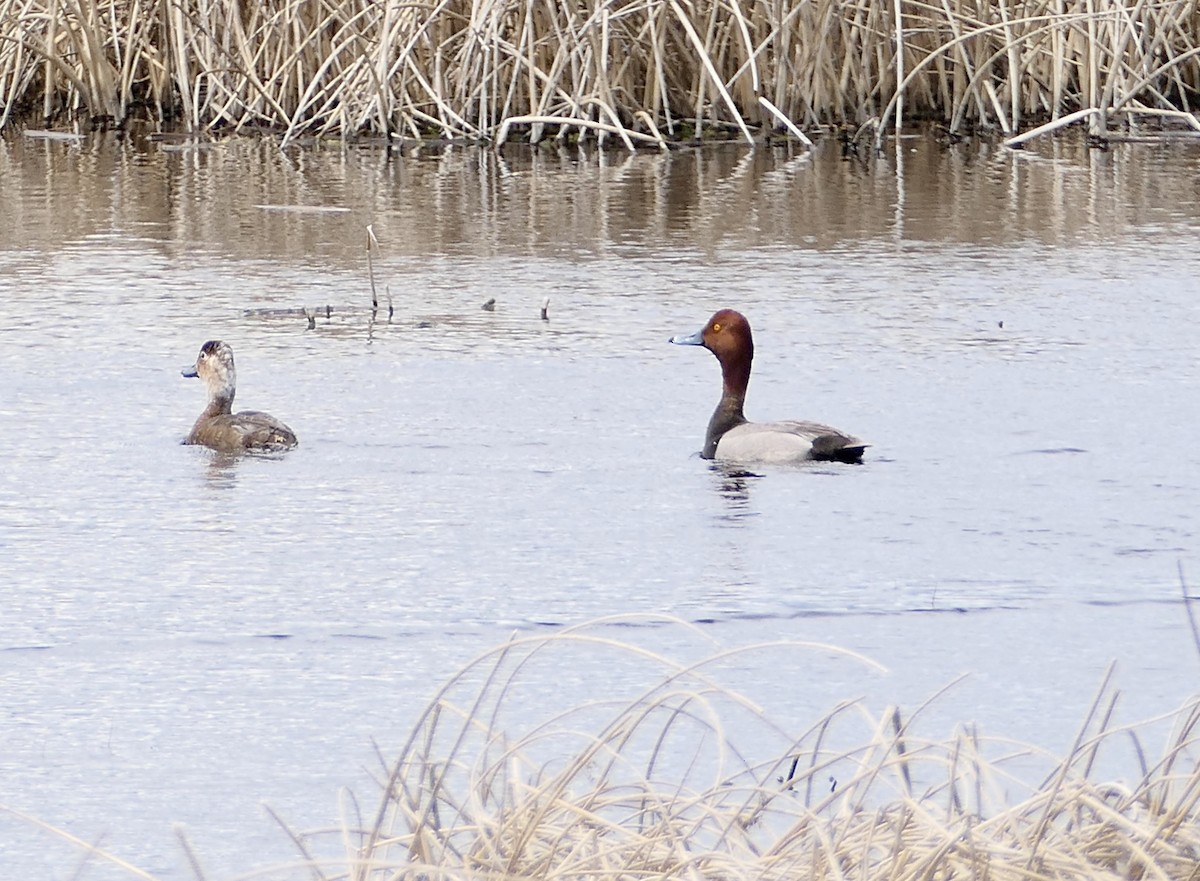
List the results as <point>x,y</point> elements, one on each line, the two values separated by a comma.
<point>716,327</point>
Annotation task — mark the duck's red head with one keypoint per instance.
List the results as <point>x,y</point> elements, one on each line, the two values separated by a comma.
<point>727,335</point>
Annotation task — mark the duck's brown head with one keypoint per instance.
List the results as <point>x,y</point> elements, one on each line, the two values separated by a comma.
<point>214,365</point>
<point>727,335</point>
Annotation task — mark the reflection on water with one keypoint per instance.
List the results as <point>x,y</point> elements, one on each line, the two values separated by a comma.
<point>249,200</point>
<point>221,468</point>
<point>733,483</point>
<point>1007,329</point>
<point>221,473</point>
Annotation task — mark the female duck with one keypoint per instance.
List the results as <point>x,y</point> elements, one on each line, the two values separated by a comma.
<point>730,436</point>
<point>218,426</point>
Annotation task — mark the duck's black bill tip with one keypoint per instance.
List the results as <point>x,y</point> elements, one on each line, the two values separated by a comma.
<point>690,339</point>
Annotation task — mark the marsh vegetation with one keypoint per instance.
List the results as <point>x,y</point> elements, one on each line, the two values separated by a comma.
<point>640,71</point>
<point>692,779</point>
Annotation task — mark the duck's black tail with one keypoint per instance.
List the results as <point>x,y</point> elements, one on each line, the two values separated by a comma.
<point>838,448</point>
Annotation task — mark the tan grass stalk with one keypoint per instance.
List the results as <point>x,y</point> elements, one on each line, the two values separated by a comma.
<point>627,135</point>
<point>1053,125</point>
<point>898,15</point>
<point>84,846</point>
<point>787,123</point>
<point>706,62</point>
<point>596,815</point>
<point>1064,768</point>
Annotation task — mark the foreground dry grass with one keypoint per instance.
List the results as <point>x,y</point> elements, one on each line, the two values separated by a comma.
<point>663,786</point>
<point>669,784</point>
<point>643,71</point>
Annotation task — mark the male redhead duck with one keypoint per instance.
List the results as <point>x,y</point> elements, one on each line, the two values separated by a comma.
<point>218,426</point>
<point>730,435</point>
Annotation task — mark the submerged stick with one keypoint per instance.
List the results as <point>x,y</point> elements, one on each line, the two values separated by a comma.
<point>546,309</point>
<point>292,311</point>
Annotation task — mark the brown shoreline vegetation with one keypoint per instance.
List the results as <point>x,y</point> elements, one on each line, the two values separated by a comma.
<point>692,780</point>
<point>636,72</point>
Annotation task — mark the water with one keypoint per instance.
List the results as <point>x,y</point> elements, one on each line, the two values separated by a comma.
<point>187,636</point>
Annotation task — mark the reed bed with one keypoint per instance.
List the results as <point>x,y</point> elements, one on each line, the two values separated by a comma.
<point>687,778</point>
<point>692,780</point>
<point>639,72</point>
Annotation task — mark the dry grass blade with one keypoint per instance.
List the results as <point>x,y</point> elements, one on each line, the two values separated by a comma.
<point>84,846</point>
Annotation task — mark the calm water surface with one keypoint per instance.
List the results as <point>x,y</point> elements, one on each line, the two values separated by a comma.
<point>186,636</point>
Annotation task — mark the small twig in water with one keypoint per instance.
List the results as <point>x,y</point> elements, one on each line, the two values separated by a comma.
<point>191,854</point>
<point>1187,606</point>
<point>371,264</point>
<point>546,309</point>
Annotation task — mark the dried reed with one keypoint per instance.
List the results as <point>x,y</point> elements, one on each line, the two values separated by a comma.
<point>692,780</point>
<point>640,71</point>
<point>663,786</point>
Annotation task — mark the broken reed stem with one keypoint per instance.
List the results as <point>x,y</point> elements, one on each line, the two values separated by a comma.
<point>373,243</point>
<point>641,72</point>
<point>1053,126</point>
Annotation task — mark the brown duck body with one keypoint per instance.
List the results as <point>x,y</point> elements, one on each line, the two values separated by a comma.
<point>218,426</point>
<point>247,430</point>
<point>730,435</point>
